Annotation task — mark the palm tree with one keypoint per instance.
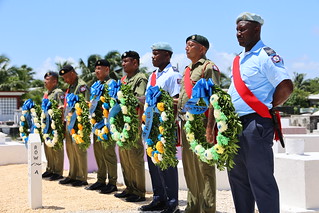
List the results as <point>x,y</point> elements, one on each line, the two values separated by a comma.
<point>299,81</point>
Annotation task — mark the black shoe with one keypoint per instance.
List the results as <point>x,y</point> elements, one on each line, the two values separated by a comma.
<point>66,181</point>
<point>122,194</point>
<point>47,174</point>
<point>96,186</point>
<point>108,189</point>
<point>135,198</point>
<point>153,206</point>
<point>79,183</point>
<point>171,209</point>
<point>55,177</point>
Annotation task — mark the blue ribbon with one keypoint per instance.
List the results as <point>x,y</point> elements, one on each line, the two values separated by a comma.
<point>113,88</point>
<point>96,92</point>
<point>202,89</point>
<point>71,100</point>
<point>28,104</point>
<point>46,105</point>
<point>152,95</point>
<point>99,125</point>
<point>72,122</point>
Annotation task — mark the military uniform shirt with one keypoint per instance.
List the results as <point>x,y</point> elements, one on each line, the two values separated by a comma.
<point>203,68</point>
<point>169,80</point>
<point>138,83</point>
<point>57,95</point>
<point>261,72</point>
<point>80,87</point>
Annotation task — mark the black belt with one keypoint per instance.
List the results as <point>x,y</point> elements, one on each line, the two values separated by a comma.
<point>248,116</point>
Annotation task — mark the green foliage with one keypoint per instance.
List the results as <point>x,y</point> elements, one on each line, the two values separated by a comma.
<point>299,98</point>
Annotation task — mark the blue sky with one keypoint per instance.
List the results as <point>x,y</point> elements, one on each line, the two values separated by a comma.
<point>41,32</point>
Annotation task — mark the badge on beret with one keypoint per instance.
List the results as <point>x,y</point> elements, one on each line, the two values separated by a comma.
<point>82,88</point>
<point>62,71</point>
<point>193,37</point>
<point>124,55</point>
<point>276,59</point>
<point>99,62</point>
<point>179,81</point>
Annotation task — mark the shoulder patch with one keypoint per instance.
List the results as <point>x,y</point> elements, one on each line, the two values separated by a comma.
<point>175,69</point>
<point>179,81</point>
<point>276,59</point>
<point>61,97</point>
<point>83,88</point>
<point>269,51</point>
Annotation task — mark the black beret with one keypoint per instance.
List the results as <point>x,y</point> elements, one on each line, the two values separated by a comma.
<point>102,62</point>
<point>199,39</point>
<point>131,54</point>
<point>51,73</point>
<point>66,69</point>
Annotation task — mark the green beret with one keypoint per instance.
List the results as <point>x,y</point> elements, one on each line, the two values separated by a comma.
<point>66,69</point>
<point>246,16</point>
<point>102,62</point>
<point>131,54</point>
<point>51,73</point>
<point>162,46</point>
<point>199,39</point>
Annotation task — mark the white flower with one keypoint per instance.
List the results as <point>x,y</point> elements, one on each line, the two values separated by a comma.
<point>145,106</point>
<point>43,125</point>
<point>163,140</point>
<point>50,112</point>
<point>113,128</point>
<point>36,131</point>
<point>222,126</point>
<point>55,140</point>
<point>197,149</point>
<point>208,154</point>
<point>32,110</point>
<point>154,161</point>
<point>143,126</point>
<point>79,118</point>
<point>217,114</point>
<point>164,116</point>
<point>42,115</point>
<point>24,111</point>
<point>122,138</point>
<point>160,157</point>
<point>46,136</point>
<point>120,94</point>
<point>49,143</point>
<point>53,126</point>
<point>35,120</point>
<point>189,116</point>
<point>93,115</point>
<point>34,114</point>
<point>38,125</point>
<point>116,136</point>
<point>214,99</point>
<point>124,110</point>
<point>21,129</point>
<point>22,118</point>
<point>127,126</point>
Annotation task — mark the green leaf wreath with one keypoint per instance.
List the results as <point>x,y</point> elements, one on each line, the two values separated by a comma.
<point>229,126</point>
<point>161,144</point>
<point>124,126</point>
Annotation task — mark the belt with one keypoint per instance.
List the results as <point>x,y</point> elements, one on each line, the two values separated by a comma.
<point>248,116</point>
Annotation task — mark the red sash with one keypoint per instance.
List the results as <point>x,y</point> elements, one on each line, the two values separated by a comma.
<point>66,94</point>
<point>249,98</point>
<point>45,96</point>
<point>187,82</point>
<point>123,79</point>
<point>153,79</point>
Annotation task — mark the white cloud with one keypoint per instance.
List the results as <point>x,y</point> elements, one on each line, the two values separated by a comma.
<point>49,65</point>
<point>305,65</point>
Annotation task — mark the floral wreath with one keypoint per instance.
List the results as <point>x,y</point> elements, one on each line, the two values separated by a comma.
<point>52,125</point>
<point>29,121</point>
<point>123,118</point>
<point>229,126</point>
<point>78,122</point>
<point>99,116</point>
<point>159,133</point>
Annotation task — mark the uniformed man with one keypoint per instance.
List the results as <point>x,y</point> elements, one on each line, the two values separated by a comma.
<point>55,157</point>
<point>260,72</point>
<point>105,155</point>
<point>164,182</point>
<point>132,161</point>
<point>78,168</point>
<point>199,176</point>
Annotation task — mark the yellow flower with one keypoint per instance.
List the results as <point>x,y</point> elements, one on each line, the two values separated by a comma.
<point>156,157</point>
<point>144,118</point>
<point>96,132</point>
<point>102,98</point>
<point>72,131</point>
<point>190,137</point>
<point>160,147</point>
<point>78,112</point>
<point>105,113</point>
<point>160,106</point>
<point>22,118</point>
<point>149,151</point>
<point>106,130</point>
<point>93,121</point>
<point>80,132</point>
<point>80,126</point>
<point>90,104</point>
<point>219,149</point>
<point>161,129</point>
<point>77,106</point>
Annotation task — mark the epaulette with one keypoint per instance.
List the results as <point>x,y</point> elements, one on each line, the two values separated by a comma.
<point>269,51</point>
<point>175,69</point>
